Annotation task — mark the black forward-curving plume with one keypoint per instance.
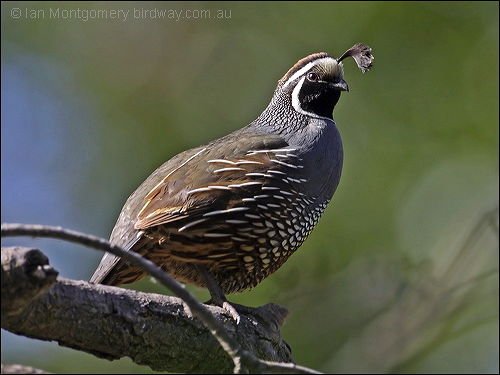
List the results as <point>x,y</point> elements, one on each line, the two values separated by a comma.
<point>362,54</point>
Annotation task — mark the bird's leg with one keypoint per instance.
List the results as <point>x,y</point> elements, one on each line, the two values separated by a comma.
<point>271,314</point>
<point>218,297</point>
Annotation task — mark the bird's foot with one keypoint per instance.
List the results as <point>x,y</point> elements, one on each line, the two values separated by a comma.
<point>228,308</point>
<point>270,314</point>
<point>231,311</point>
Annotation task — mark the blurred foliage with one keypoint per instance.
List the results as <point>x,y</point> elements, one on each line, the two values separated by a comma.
<point>401,274</point>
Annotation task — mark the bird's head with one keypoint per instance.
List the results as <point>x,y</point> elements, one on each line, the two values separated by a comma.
<point>314,83</point>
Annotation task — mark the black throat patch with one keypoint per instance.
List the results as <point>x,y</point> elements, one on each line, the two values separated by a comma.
<point>318,98</point>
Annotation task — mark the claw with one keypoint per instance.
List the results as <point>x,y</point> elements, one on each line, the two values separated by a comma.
<point>227,307</point>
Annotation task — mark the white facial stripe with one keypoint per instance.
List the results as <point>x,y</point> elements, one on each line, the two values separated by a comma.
<point>306,68</point>
<point>295,96</point>
<point>296,101</point>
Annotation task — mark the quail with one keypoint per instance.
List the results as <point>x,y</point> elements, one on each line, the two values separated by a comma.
<point>228,214</point>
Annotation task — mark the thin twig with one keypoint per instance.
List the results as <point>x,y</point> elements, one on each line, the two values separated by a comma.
<point>231,346</point>
<point>482,224</point>
<point>285,368</point>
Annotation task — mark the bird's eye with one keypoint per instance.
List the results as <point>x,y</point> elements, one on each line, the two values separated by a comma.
<point>313,77</point>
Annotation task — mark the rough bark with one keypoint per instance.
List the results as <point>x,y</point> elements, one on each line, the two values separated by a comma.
<point>109,322</point>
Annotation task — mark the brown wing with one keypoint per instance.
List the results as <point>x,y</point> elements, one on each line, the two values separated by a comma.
<point>200,182</point>
<point>215,178</point>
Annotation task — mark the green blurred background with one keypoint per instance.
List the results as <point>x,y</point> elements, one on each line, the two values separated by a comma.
<point>400,275</point>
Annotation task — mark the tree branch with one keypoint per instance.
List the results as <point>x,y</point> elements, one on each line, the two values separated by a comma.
<point>243,359</point>
<point>111,323</point>
<point>25,275</point>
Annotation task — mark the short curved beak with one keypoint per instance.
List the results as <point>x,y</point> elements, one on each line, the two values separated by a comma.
<point>341,85</point>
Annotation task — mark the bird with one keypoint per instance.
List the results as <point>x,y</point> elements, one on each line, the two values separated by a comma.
<point>228,214</point>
